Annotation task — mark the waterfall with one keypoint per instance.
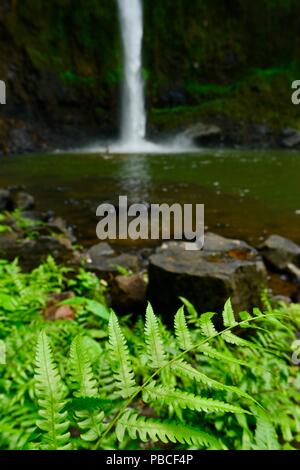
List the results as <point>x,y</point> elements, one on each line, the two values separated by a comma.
<point>133,116</point>
<point>133,121</point>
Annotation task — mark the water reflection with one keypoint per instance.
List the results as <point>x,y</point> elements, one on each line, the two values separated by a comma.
<point>135,177</point>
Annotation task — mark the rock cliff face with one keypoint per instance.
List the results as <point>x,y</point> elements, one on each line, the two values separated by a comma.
<point>204,61</point>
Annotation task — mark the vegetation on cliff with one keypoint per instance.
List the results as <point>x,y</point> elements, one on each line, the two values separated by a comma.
<point>202,60</point>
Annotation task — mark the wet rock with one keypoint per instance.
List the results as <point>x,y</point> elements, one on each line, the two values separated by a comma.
<point>104,261</point>
<point>290,138</point>
<point>218,244</point>
<point>144,254</point>
<point>59,247</point>
<point>4,199</point>
<point>31,253</point>
<point>21,200</point>
<point>59,226</point>
<point>224,268</point>
<point>281,285</point>
<point>96,252</point>
<point>294,271</point>
<point>128,293</point>
<point>203,134</point>
<point>11,224</point>
<point>281,254</point>
<point>111,265</point>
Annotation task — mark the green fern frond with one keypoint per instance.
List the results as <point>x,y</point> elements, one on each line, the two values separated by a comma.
<point>89,422</point>
<point>265,434</point>
<point>154,342</point>
<point>184,369</point>
<point>81,370</point>
<point>231,338</point>
<point>228,315</point>
<point>150,429</point>
<point>184,400</point>
<point>50,393</point>
<point>90,404</point>
<point>209,351</point>
<point>192,312</point>
<point>120,358</point>
<point>206,325</point>
<point>181,330</point>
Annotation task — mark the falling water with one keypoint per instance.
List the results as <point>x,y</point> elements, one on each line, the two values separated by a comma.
<point>133,125</point>
<point>133,122</point>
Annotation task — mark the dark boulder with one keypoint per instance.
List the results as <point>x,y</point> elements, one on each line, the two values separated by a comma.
<point>235,248</point>
<point>290,138</point>
<point>31,253</point>
<point>281,254</point>
<point>128,293</point>
<point>104,261</point>
<point>224,268</point>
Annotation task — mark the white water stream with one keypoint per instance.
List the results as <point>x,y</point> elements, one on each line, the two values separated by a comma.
<point>133,113</point>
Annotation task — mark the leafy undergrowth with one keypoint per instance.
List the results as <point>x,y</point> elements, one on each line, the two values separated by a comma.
<point>99,382</point>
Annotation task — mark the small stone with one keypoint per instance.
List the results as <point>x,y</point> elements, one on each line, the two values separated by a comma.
<point>22,200</point>
<point>279,252</point>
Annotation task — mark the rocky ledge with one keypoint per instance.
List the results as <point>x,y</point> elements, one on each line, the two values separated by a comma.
<point>223,268</point>
<point>228,134</point>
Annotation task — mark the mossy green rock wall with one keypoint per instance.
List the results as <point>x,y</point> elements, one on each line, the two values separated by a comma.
<point>62,61</point>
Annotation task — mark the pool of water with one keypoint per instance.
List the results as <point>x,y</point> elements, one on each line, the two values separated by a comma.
<point>247,194</point>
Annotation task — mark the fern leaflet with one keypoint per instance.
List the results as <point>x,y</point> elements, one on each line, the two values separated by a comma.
<point>154,342</point>
<point>209,351</point>
<point>181,330</point>
<point>237,340</point>
<point>150,429</point>
<point>184,400</point>
<point>90,422</point>
<point>120,358</point>
<point>265,434</point>
<point>51,399</point>
<point>206,325</point>
<point>228,315</point>
<point>182,368</point>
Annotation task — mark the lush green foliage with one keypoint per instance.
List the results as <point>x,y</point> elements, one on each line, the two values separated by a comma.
<point>100,382</point>
<point>217,57</point>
